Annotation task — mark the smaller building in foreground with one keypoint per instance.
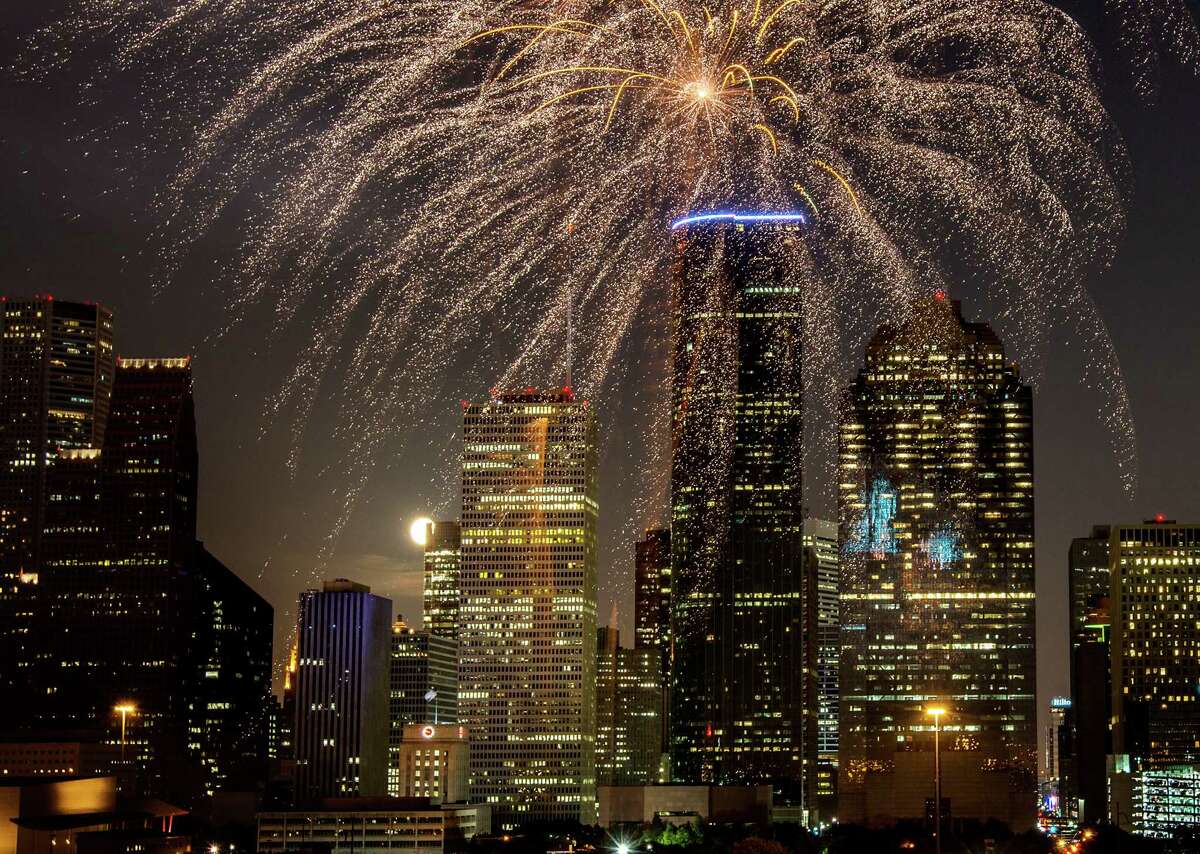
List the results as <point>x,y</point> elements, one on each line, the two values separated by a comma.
<point>368,825</point>
<point>1155,802</point>
<point>432,763</point>
<point>672,804</point>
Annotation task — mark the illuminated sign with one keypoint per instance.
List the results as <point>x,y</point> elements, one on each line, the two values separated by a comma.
<point>723,216</point>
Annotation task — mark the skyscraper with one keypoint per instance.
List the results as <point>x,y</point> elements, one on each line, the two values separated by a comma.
<point>652,591</point>
<point>442,558</point>
<point>743,699</point>
<point>117,598</point>
<point>56,375</point>
<point>1083,783</point>
<point>229,689</point>
<point>821,548</point>
<point>628,712</point>
<point>527,655</point>
<point>936,527</point>
<point>1156,643</point>
<point>341,692</point>
<point>652,612</point>
<point>422,664</point>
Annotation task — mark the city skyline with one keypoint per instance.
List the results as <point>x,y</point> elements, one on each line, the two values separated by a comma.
<point>376,548</point>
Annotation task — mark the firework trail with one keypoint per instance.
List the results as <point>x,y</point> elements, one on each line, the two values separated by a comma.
<point>414,168</point>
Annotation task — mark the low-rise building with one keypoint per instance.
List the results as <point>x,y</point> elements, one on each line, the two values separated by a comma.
<point>433,763</point>
<point>683,804</point>
<point>369,825</point>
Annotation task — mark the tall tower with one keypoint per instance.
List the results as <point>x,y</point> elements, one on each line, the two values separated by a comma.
<point>1088,735</point>
<point>118,554</point>
<point>652,613</point>
<point>56,375</point>
<point>743,706</point>
<point>936,527</point>
<point>442,557</point>
<point>527,654</point>
<point>1156,642</point>
<point>341,698</point>
<point>423,688</point>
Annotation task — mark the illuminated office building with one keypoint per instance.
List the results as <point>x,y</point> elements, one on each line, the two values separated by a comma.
<point>56,374</point>
<point>527,654</point>
<point>652,611</point>
<point>423,687</point>
<point>341,692</point>
<point>433,762</point>
<point>628,712</point>
<point>743,701</point>
<point>821,548</point>
<point>937,594</point>
<point>230,706</point>
<point>117,593</point>
<point>1083,781</point>
<point>442,556</point>
<point>1156,643</point>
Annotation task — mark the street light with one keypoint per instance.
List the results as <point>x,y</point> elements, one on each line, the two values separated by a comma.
<point>936,713</point>
<point>124,710</point>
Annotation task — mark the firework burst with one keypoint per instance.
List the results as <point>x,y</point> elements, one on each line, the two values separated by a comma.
<point>414,167</point>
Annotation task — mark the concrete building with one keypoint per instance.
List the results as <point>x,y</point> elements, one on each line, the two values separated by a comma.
<point>341,692</point>
<point>527,654</point>
<point>682,804</point>
<point>433,762</point>
<point>371,825</point>
<point>1156,643</point>
<point>628,712</point>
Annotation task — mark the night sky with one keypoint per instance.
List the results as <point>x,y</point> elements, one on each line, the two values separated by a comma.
<point>74,223</point>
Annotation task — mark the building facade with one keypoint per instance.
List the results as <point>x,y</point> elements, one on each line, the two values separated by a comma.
<point>628,712</point>
<point>56,375</point>
<point>1083,781</point>
<point>433,762</point>
<point>230,706</point>
<point>937,594</point>
<point>652,614</point>
<point>374,826</point>
<point>442,560</point>
<point>423,687</point>
<point>743,692</point>
<point>341,692</point>
<point>821,549</point>
<point>527,655</point>
<point>1156,643</point>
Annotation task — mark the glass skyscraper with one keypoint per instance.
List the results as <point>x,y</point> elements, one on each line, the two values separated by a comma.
<point>936,532</point>
<point>442,556</point>
<point>743,701</point>
<point>527,641</point>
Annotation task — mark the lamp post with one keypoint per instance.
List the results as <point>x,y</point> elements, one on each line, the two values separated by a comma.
<point>936,713</point>
<point>124,710</point>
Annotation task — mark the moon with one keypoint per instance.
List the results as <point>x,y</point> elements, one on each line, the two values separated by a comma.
<point>419,530</point>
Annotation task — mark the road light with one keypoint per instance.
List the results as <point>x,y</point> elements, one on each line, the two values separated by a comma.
<point>936,713</point>
<point>124,710</point>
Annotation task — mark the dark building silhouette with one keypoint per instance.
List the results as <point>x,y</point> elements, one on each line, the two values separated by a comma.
<point>1084,784</point>
<point>232,712</point>
<point>341,692</point>
<point>743,700</point>
<point>936,532</point>
<point>56,374</point>
<point>117,600</point>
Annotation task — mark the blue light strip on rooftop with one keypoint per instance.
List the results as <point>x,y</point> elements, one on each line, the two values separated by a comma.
<point>721,216</point>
